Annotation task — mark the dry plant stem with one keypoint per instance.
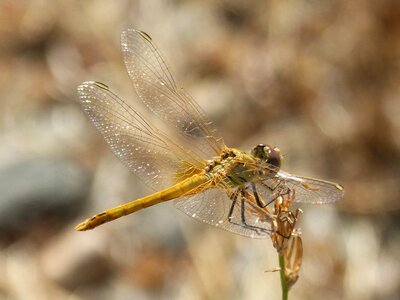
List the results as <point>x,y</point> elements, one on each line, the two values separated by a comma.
<point>284,286</point>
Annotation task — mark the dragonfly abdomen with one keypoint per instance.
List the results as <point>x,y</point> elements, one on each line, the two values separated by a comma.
<point>185,187</point>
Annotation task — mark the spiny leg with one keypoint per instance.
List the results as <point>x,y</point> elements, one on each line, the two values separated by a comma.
<point>233,197</point>
<point>243,214</point>
<point>272,188</point>
<point>243,224</point>
<point>282,189</point>
<point>260,203</point>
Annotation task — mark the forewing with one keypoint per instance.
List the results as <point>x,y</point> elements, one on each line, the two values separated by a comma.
<point>219,208</point>
<point>308,190</point>
<point>157,88</point>
<point>146,151</point>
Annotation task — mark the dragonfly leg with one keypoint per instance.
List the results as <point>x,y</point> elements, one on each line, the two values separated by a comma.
<point>260,203</point>
<point>282,190</point>
<point>272,188</point>
<point>283,235</point>
<point>242,214</point>
<point>233,197</point>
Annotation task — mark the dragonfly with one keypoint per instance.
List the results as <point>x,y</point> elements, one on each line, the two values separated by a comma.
<point>187,160</point>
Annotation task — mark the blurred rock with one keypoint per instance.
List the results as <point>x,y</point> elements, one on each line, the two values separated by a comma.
<point>73,266</point>
<point>41,192</point>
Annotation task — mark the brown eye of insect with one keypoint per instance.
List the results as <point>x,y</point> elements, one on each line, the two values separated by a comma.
<point>274,157</point>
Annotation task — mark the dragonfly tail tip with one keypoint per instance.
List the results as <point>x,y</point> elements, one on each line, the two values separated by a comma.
<point>81,226</point>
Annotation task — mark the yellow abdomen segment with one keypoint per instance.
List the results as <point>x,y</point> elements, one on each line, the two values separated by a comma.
<point>170,193</point>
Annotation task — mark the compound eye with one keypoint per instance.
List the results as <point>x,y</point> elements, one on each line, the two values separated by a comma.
<point>259,151</point>
<point>274,157</point>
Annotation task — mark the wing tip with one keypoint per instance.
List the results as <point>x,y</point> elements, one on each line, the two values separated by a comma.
<point>340,187</point>
<point>128,31</point>
<point>340,192</point>
<point>90,84</point>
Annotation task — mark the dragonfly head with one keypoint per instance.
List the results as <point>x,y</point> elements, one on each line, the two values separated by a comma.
<point>271,155</point>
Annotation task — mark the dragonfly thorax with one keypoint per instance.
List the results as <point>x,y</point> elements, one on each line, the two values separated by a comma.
<point>218,164</point>
<point>232,168</point>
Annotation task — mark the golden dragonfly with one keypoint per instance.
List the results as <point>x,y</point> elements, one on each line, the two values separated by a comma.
<point>225,187</point>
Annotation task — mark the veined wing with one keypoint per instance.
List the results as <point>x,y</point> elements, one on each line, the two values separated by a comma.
<point>145,150</point>
<point>233,210</point>
<point>308,190</point>
<point>155,85</point>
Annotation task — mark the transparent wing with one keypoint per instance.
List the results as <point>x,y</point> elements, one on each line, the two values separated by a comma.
<point>308,190</point>
<point>232,210</point>
<point>157,88</point>
<point>146,151</point>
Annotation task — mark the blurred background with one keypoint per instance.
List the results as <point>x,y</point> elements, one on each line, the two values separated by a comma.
<point>318,79</point>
